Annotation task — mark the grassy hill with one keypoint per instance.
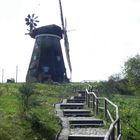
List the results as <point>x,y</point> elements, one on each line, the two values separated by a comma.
<point>27,111</point>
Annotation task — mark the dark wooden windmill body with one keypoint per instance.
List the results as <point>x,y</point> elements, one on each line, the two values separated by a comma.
<point>47,63</point>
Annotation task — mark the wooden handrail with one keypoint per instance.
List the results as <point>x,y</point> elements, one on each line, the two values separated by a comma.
<point>115,125</point>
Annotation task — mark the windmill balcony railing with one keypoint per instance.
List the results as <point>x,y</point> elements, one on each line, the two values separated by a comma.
<point>108,110</point>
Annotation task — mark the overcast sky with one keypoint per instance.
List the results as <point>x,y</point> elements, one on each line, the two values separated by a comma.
<point>106,33</point>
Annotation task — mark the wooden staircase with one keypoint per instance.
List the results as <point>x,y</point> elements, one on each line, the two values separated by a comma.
<point>80,121</point>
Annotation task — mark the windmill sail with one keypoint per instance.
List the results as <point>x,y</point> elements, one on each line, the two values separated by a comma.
<point>67,47</point>
<point>66,42</point>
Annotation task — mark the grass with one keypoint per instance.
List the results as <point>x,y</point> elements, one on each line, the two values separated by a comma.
<point>129,112</point>
<point>129,107</point>
<point>40,122</point>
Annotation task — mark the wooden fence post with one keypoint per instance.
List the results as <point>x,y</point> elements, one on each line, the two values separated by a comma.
<point>93,103</point>
<point>88,100</point>
<point>113,133</point>
<point>118,128</point>
<point>96,102</point>
<point>105,109</point>
<point>86,97</point>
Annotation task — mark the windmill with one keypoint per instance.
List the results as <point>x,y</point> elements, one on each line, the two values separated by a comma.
<point>66,42</point>
<point>47,63</point>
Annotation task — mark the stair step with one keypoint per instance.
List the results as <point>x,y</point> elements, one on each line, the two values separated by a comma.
<point>86,125</point>
<point>86,122</point>
<point>72,105</point>
<point>75,100</point>
<point>76,113</point>
<point>79,97</point>
<point>86,137</point>
<point>81,91</point>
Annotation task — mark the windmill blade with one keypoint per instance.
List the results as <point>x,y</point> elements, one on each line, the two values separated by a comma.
<point>66,43</point>
<point>66,36</point>
<point>29,16</point>
<point>27,23</point>
<point>36,20</point>
<point>67,52</point>
<point>36,17</point>
<point>61,14</point>
<point>33,15</point>
<point>34,24</point>
<point>26,19</point>
<point>71,30</point>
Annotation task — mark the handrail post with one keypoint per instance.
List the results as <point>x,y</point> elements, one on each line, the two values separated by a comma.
<point>93,103</point>
<point>96,107</point>
<point>118,127</point>
<point>86,96</point>
<point>88,100</point>
<point>105,109</point>
<point>113,133</point>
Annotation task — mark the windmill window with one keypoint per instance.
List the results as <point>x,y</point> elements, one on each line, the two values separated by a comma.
<point>58,58</point>
<point>32,65</point>
<point>45,69</point>
<point>34,57</point>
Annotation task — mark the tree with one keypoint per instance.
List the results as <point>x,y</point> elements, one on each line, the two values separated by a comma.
<point>115,77</point>
<point>26,91</point>
<point>132,72</point>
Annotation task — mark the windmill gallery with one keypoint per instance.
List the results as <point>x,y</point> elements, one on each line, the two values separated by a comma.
<point>47,62</point>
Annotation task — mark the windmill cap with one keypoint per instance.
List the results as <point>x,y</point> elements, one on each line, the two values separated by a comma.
<point>48,29</point>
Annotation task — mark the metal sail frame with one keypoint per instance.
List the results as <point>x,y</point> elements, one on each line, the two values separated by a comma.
<point>66,42</point>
